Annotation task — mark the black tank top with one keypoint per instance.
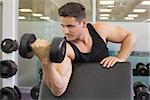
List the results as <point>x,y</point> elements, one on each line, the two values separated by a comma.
<point>98,52</point>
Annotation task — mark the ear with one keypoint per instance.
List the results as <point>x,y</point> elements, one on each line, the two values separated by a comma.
<point>84,23</point>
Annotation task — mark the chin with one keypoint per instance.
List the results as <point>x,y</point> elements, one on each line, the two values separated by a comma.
<point>70,39</point>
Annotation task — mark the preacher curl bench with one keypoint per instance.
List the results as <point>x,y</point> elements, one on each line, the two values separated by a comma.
<point>90,81</point>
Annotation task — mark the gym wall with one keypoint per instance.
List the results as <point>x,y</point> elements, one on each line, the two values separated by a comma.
<point>0,35</point>
<point>28,68</point>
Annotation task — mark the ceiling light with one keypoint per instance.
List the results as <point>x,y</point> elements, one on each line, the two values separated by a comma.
<point>147,20</point>
<point>129,18</point>
<point>106,2</point>
<point>133,15</point>
<point>110,6</point>
<point>46,18</point>
<point>139,10</point>
<point>105,10</point>
<point>21,17</point>
<point>145,3</point>
<point>103,18</point>
<point>37,15</point>
<point>103,15</point>
<point>25,10</point>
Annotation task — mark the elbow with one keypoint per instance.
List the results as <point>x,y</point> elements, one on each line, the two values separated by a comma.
<point>59,91</point>
<point>56,91</point>
<point>132,38</point>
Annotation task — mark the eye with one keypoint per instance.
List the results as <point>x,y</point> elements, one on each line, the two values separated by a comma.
<point>70,26</point>
<point>62,25</point>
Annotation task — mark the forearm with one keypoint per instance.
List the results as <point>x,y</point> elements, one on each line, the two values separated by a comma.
<point>52,78</point>
<point>126,47</point>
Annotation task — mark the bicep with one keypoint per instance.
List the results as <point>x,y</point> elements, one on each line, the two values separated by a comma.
<point>66,67</point>
<point>65,70</point>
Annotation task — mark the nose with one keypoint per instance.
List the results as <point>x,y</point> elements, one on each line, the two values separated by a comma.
<point>65,30</point>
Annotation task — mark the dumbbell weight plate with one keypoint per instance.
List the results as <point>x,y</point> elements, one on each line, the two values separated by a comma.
<point>25,50</point>
<point>8,68</point>
<point>148,66</point>
<point>17,92</point>
<point>141,91</point>
<point>7,94</point>
<point>57,49</point>
<point>141,69</point>
<point>35,92</point>
<point>137,85</point>
<point>8,45</point>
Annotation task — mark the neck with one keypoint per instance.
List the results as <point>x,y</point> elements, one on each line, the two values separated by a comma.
<point>84,37</point>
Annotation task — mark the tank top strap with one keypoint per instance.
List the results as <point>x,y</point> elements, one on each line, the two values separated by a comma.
<point>95,36</point>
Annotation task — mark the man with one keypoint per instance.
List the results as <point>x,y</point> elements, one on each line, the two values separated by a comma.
<point>85,43</point>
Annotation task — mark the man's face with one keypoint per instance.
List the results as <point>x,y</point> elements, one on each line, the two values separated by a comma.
<point>71,27</point>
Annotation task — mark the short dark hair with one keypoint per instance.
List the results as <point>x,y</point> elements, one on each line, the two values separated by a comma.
<point>72,9</point>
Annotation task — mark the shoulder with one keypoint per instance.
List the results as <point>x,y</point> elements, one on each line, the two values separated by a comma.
<point>69,51</point>
<point>104,29</point>
<point>103,26</point>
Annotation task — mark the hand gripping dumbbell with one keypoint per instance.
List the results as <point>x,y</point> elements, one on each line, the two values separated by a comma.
<point>141,91</point>
<point>57,47</point>
<point>8,68</point>
<point>9,93</point>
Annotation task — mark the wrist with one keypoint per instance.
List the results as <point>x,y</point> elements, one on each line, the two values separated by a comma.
<point>45,61</point>
<point>120,59</point>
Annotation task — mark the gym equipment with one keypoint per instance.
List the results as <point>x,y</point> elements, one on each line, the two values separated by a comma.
<point>148,67</point>
<point>35,92</point>
<point>8,68</point>
<point>36,89</point>
<point>57,48</point>
<point>25,50</point>
<point>9,93</point>
<point>141,70</point>
<point>141,91</point>
<point>9,45</point>
<point>90,81</point>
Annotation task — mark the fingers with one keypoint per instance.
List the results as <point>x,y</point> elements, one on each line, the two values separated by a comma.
<point>40,48</point>
<point>109,61</point>
<point>39,44</point>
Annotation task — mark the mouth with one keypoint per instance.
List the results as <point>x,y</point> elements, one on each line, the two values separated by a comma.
<point>68,36</point>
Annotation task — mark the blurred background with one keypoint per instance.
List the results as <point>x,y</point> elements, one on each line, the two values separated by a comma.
<point>40,18</point>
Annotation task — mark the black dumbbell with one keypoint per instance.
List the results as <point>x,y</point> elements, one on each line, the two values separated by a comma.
<point>57,48</point>
<point>41,73</point>
<point>142,70</point>
<point>9,93</point>
<point>8,68</point>
<point>35,92</point>
<point>36,89</point>
<point>9,45</point>
<point>141,91</point>
<point>148,67</point>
